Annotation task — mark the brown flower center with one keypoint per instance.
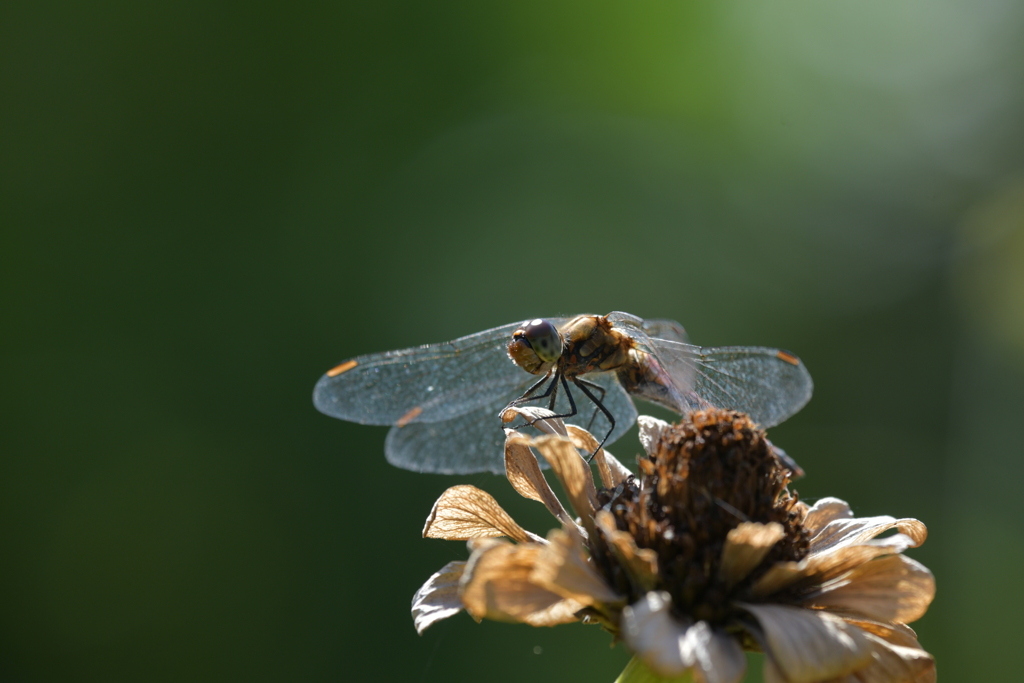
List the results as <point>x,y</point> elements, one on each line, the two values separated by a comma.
<point>708,473</point>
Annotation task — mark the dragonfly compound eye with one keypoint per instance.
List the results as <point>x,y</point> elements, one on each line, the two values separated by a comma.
<point>543,337</point>
<point>535,346</point>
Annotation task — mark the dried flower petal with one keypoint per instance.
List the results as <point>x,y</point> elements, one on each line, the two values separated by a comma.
<point>562,568</point>
<point>745,547</point>
<point>894,663</point>
<point>891,632</point>
<point>611,471</point>
<point>651,431</point>
<point>890,589</point>
<point>525,475</point>
<point>438,598</point>
<point>809,646</point>
<point>561,612</point>
<point>465,512</point>
<point>573,472</point>
<point>496,585</point>
<point>670,647</point>
<point>717,657</point>
<point>846,532</point>
<point>829,564</point>
<point>537,417</point>
<point>655,635</point>
<point>641,564</point>
<point>825,511</point>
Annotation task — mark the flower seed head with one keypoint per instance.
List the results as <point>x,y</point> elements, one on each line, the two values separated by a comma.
<point>703,478</point>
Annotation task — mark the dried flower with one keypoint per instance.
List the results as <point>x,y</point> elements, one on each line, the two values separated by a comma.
<point>706,553</point>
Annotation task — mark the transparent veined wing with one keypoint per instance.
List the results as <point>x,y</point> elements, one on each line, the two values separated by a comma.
<point>675,378</point>
<point>768,384</point>
<point>665,329</point>
<point>427,383</point>
<point>474,441</point>
<point>642,330</point>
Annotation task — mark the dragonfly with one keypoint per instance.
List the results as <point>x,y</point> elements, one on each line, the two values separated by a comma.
<point>443,401</point>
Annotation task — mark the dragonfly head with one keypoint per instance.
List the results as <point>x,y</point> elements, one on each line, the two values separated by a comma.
<point>536,346</point>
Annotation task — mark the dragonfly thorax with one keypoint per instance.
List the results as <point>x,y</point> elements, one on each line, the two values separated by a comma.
<point>592,344</point>
<point>535,346</point>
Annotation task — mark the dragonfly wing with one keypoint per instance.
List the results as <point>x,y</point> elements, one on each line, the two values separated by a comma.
<point>474,441</point>
<point>638,328</point>
<point>768,384</point>
<point>422,384</point>
<point>665,329</point>
<point>471,442</point>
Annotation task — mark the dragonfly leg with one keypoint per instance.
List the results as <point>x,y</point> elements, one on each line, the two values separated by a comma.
<point>568,394</point>
<point>551,392</point>
<point>554,396</point>
<point>601,407</point>
<point>596,387</point>
<point>527,395</point>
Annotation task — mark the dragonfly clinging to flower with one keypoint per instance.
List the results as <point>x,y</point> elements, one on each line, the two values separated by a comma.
<point>442,399</point>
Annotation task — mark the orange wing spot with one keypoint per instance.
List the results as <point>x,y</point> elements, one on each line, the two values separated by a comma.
<point>344,367</point>
<point>788,357</point>
<point>409,417</point>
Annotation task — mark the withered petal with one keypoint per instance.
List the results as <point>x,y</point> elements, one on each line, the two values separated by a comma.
<point>717,657</point>
<point>770,671</point>
<point>894,588</point>
<point>496,585</point>
<point>612,471</point>
<point>655,636</point>
<point>572,470</point>
<point>832,563</point>
<point>895,633</point>
<point>561,612</point>
<point>893,664</point>
<point>524,473</point>
<point>844,532</point>
<point>809,646</point>
<point>641,564</point>
<point>464,512</point>
<point>438,598</point>
<point>779,576</point>
<point>825,511</point>
<point>671,648</point>
<point>819,567</point>
<point>538,417</point>
<point>651,429</point>
<point>562,568</point>
<point>478,545</point>
<point>745,547</point>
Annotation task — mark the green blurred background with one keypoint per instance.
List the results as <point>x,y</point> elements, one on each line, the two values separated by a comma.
<point>206,205</point>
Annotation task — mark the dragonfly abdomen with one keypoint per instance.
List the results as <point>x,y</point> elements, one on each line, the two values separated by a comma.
<point>644,378</point>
